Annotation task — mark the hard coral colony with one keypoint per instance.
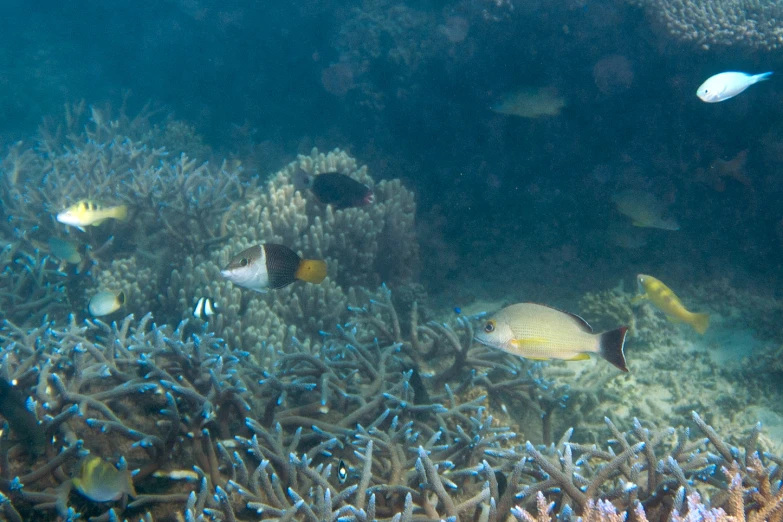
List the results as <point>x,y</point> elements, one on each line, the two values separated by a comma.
<point>303,403</point>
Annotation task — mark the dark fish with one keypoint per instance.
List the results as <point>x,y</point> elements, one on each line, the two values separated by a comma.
<point>420,394</point>
<point>13,407</point>
<point>340,191</point>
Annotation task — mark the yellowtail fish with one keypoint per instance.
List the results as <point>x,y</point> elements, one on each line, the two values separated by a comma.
<point>540,332</point>
<point>662,298</point>
<point>64,250</point>
<point>86,213</point>
<point>100,481</point>
<point>105,303</point>
<point>272,266</point>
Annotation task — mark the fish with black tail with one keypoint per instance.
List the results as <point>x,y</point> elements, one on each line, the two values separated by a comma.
<point>540,332</point>
<point>269,265</point>
<point>337,189</point>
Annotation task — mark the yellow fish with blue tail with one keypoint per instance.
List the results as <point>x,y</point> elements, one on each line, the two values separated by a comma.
<point>662,298</point>
<point>539,332</point>
<point>100,481</point>
<point>87,212</point>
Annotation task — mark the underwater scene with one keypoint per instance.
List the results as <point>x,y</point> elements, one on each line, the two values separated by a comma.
<point>363,260</point>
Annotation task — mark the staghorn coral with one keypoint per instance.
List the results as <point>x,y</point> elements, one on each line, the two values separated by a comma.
<point>751,23</point>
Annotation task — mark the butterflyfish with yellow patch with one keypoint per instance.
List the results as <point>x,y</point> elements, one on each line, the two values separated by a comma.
<point>664,299</point>
<point>86,213</point>
<point>100,481</point>
<point>539,332</point>
<point>105,302</point>
<point>272,266</point>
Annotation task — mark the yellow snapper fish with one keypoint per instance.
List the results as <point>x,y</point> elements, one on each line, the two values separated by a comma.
<point>644,210</point>
<point>100,481</point>
<point>530,103</point>
<point>105,302</point>
<point>86,213</point>
<point>539,332</point>
<point>662,298</point>
<point>272,266</point>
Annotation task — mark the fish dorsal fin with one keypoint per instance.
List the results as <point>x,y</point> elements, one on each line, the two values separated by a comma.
<point>581,323</point>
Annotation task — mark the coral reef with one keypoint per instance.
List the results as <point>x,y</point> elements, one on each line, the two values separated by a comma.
<point>264,437</point>
<point>752,24</point>
<point>362,247</point>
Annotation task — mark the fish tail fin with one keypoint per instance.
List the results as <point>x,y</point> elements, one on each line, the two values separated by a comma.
<point>311,270</point>
<point>611,345</point>
<point>121,212</point>
<point>761,77</point>
<point>121,298</point>
<point>700,322</point>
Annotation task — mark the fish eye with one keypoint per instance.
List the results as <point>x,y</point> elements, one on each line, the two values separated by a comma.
<point>489,327</point>
<point>243,261</point>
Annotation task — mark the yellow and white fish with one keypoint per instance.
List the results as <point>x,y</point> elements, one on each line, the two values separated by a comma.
<point>662,298</point>
<point>100,481</point>
<point>540,332</point>
<point>86,213</point>
<point>272,266</point>
<point>644,209</point>
<point>105,303</point>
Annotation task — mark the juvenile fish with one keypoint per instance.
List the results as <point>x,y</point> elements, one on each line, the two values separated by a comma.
<point>727,85</point>
<point>86,213</point>
<point>272,266</point>
<point>105,302</point>
<point>540,332</point>
<point>665,300</point>
<point>100,481</point>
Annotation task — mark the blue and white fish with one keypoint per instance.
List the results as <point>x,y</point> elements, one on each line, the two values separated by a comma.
<point>727,85</point>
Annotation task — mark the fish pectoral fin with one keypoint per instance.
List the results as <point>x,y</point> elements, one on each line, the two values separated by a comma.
<point>579,357</point>
<point>528,341</point>
<point>638,299</point>
<point>97,223</point>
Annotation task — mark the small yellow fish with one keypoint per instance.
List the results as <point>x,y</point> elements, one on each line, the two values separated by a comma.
<point>539,332</point>
<point>100,481</point>
<point>662,297</point>
<point>105,303</point>
<point>86,213</point>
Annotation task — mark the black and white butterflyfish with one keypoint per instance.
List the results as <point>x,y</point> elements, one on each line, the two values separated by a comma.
<point>342,472</point>
<point>205,308</point>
